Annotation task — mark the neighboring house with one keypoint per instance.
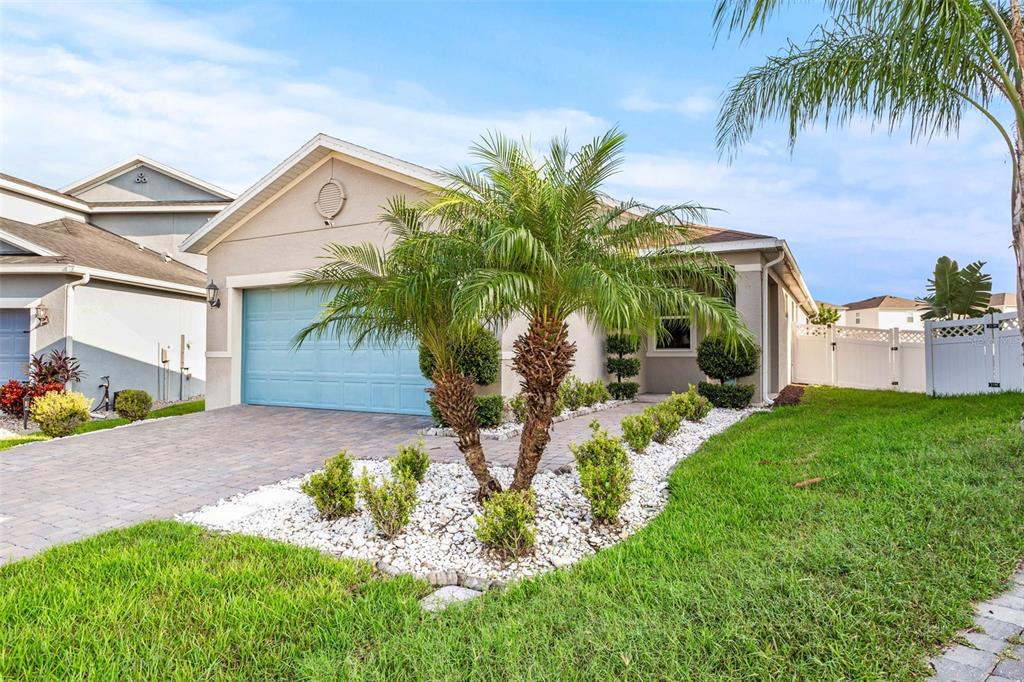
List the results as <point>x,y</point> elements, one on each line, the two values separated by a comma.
<point>1004,302</point>
<point>884,312</point>
<point>334,191</point>
<point>95,269</point>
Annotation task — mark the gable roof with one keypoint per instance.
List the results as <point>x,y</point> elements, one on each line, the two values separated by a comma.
<point>72,242</point>
<point>289,171</point>
<point>140,160</point>
<point>24,187</point>
<point>885,302</point>
<point>718,235</point>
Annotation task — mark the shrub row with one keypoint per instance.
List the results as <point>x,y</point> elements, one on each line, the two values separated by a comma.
<point>660,422</point>
<point>390,502</point>
<point>575,393</point>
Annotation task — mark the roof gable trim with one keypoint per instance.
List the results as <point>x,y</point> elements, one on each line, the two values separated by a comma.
<point>138,161</point>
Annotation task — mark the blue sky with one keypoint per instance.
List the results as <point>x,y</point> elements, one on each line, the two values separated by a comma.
<point>226,91</point>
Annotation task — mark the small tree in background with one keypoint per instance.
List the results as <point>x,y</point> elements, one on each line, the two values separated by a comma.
<point>621,345</point>
<point>725,365</point>
<point>826,315</point>
<point>955,293</point>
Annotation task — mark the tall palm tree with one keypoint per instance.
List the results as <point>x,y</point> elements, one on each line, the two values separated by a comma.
<point>919,64</point>
<point>387,297</point>
<point>555,246</point>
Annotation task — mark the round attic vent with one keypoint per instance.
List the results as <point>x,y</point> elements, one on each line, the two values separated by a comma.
<point>330,199</point>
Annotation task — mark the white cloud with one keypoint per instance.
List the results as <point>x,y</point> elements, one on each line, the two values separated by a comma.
<point>691,105</point>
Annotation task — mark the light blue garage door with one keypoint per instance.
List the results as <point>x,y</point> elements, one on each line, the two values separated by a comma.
<point>13,343</point>
<point>322,373</point>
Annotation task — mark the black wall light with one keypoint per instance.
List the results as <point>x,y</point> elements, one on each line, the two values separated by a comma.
<point>212,295</point>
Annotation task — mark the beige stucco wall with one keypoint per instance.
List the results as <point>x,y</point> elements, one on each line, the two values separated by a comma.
<point>286,236</point>
<point>590,354</point>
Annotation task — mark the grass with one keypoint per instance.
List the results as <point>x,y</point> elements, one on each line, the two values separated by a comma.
<point>101,424</point>
<point>744,576</point>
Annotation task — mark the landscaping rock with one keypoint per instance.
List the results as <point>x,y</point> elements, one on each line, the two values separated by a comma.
<point>446,596</point>
<point>439,544</point>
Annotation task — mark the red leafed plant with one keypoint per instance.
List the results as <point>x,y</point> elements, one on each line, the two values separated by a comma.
<point>39,390</point>
<point>56,368</point>
<point>11,395</point>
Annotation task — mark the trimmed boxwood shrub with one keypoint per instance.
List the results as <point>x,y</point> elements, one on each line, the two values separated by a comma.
<point>623,390</point>
<point>666,421</point>
<point>390,504</point>
<point>637,430</point>
<point>334,489</point>
<point>477,357</point>
<point>727,395</point>
<point>620,346</point>
<point>605,473</point>
<point>410,462</point>
<point>489,411</point>
<point>133,404</point>
<point>507,523</point>
<point>715,360</point>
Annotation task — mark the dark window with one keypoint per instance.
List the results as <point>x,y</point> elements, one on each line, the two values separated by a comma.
<point>678,336</point>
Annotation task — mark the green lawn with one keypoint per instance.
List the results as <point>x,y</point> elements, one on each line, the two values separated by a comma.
<point>862,575</point>
<point>101,424</point>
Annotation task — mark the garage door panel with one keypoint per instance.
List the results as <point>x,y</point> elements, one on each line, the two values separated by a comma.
<point>323,373</point>
<point>14,343</point>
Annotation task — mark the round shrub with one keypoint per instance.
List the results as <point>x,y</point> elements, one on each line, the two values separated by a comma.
<point>622,344</point>
<point>334,489</point>
<point>727,395</point>
<point>690,406</point>
<point>411,462</point>
<point>507,524</point>
<point>390,504</point>
<point>489,411</point>
<point>623,390</point>
<point>718,362</point>
<point>623,367</point>
<point>605,473</point>
<point>133,404</point>
<point>58,414</point>
<point>666,421</point>
<point>637,431</point>
<point>477,357</point>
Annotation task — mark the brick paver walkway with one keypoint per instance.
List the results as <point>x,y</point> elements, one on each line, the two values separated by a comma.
<point>62,490</point>
<point>995,649</point>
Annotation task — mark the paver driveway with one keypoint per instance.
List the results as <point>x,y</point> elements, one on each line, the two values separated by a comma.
<point>62,490</point>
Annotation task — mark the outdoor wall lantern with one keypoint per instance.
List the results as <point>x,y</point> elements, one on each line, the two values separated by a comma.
<point>42,315</point>
<point>211,295</point>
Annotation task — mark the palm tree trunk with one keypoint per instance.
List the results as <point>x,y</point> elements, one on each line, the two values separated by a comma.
<point>453,395</point>
<point>543,358</point>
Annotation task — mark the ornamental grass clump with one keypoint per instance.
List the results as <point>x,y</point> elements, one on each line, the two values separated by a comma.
<point>132,404</point>
<point>637,431</point>
<point>390,504</point>
<point>58,414</point>
<point>507,523</point>
<point>333,490</point>
<point>605,473</point>
<point>411,462</point>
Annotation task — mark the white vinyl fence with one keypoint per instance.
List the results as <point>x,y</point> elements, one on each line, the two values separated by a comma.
<point>859,357</point>
<point>979,355</point>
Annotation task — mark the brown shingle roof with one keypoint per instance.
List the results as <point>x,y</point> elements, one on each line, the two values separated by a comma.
<point>89,246</point>
<point>713,235</point>
<point>890,302</point>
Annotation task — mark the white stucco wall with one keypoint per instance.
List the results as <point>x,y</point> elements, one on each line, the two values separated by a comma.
<point>120,331</point>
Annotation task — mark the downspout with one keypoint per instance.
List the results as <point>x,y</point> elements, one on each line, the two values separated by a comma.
<point>765,367</point>
<point>69,312</point>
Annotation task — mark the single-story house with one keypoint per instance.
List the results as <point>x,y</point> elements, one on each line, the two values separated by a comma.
<point>1004,302</point>
<point>885,312</point>
<point>95,269</point>
<point>333,191</point>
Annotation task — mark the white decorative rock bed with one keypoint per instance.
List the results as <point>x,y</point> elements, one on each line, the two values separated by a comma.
<point>510,430</point>
<point>439,544</point>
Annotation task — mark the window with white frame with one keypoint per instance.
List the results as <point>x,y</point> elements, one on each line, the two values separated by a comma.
<point>856,318</point>
<point>675,335</point>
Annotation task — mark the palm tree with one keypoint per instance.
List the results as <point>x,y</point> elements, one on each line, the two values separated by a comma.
<point>555,246</point>
<point>955,293</point>
<point>915,63</point>
<point>370,295</point>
